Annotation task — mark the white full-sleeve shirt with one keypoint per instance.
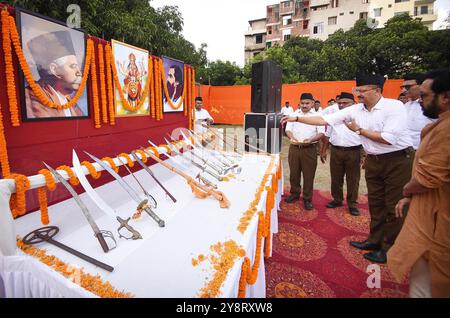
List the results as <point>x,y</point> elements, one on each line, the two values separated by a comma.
<point>387,117</point>
<point>416,121</point>
<point>286,111</point>
<point>200,117</point>
<point>302,131</point>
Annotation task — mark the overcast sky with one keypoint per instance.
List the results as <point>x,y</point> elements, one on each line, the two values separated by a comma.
<point>222,23</point>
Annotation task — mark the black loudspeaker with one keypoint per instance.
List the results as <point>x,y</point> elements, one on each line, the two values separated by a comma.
<point>266,87</point>
<point>263,131</point>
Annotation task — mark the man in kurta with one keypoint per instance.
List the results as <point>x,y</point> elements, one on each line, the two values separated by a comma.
<point>423,245</point>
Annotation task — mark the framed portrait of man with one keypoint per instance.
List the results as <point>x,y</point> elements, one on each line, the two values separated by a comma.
<point>174,72</point>
<point>56,55</point>
<point>132,70</point>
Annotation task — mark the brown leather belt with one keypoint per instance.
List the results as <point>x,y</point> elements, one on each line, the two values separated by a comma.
<point>305,146</point>
<point>347,148</point>
<point>398,153</point>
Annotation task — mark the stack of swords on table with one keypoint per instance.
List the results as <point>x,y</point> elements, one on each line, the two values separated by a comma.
<point>217,164</point>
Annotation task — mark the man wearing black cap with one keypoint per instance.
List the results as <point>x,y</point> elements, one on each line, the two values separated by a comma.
<point>345,158</point>
<point>302,152</point>
<point>59,72</point>
<point>382,125</point>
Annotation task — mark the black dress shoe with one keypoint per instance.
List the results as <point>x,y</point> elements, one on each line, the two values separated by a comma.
<point>333,204</point>
<point>292,198</point>
<point>366,245</point>
<point>376,256</point>
<point>354,211</point>
<point>308,205</point>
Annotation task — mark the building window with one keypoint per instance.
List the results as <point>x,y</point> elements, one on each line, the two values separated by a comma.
<point>305,24</point>
<point>259,38</point>
<point>286,37</point>
<point>318,28</point>
<point>351,12</point>
<point>377,12</point>
<point>286,4</point>
<point>287,20</point>
<point>423,9</point>
<point>365,1</point>
<point>269,30</point>
<point>389,5</point>
<point>398,1</point>
<point>332,20</point>
<point>363,15</point>
<point>415,11</point>
<point>334,3</point>
<point>268,45</point>
<point>342,13</point>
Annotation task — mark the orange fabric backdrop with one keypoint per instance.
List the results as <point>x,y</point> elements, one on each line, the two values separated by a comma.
<point>227,104</point>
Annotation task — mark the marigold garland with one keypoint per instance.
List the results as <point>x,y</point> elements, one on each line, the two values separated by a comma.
<point>167,148</point>
<point>17,202</point>
<point>92,171</point>
<point>154,150</point>
<point>111,162</point>
<point>42,194</point>
<point>94,85</point>
<point>4,161</point>
<point>125,103</point>
<point>72,177</point>
<point>9,70</point>
<point>143,155</point>
<point>109,85</point>
<point>153,89</point>
<point>158,88</point>
<point>191,122</point>
<point>185,88</point>
<point>101,68</point>
<point>94,284</point>
<point>130,162</point>
<point>37,90</point>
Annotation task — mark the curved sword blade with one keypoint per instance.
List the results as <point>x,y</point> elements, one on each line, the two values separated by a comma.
<point>77,199</point>
<point>119,179</point>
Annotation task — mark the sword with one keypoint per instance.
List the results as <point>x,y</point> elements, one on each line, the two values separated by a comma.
<point>133,153</point>
<point>98,233</point>
<point>186,167</point>
<point>129,190</point>
<point>173,148</point>
<point>219,156</point>
<point>220,152</point>
<point>148,195</point>
<point>218,170</point>
<point>227,167</point>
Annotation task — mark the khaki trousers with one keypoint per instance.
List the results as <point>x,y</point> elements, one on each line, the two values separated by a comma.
<point>386,177</point>
<point>345,162</point>
<point>302,161</point>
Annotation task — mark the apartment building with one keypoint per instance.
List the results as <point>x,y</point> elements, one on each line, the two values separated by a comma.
<point>320,18</point>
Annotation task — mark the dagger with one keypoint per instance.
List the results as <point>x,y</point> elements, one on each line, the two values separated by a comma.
<point>129,190</point>
<point>97,232</point>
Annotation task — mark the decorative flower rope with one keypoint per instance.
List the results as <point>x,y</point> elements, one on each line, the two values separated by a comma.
<point>4,161</point>
<point>143,155</point>
<point>37,90</point>
<point>130,162</point>
<point>42,194</point>
<point>94,284</point>
<point>17,202</point>
<point>154,150</point>
<point>111,162</point>
<point>92,171</point>
<point>167,148</point>
<point>94,86</point>
<point>101,67</point>
<point>72,177</point>
<point>109,85</point>
<point>9,70</point>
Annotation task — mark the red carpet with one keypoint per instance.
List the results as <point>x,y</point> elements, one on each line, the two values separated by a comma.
<point>312,256</point>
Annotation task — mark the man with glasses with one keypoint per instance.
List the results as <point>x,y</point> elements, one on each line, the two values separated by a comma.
<point>416,118</point>
<point>423,245</point>
<point>382,125</point>
<point>345,159</point>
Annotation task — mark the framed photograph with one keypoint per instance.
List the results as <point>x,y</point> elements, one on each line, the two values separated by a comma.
<point>174,71</point>
<point>132,71</point>
<point>56,56</point>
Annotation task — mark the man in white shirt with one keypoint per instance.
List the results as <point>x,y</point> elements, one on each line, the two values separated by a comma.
<point>202,117</point>
<point>416,119</point>
<point>382,125</point>
<point>287,109</point>
<point>345,158</point>
<point>317,108</point>
<point>302,152</point>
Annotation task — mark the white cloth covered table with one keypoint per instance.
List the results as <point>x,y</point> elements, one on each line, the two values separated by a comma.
<point>159,265</point>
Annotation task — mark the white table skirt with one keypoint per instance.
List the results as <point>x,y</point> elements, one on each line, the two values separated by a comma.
<point>160,264</point>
